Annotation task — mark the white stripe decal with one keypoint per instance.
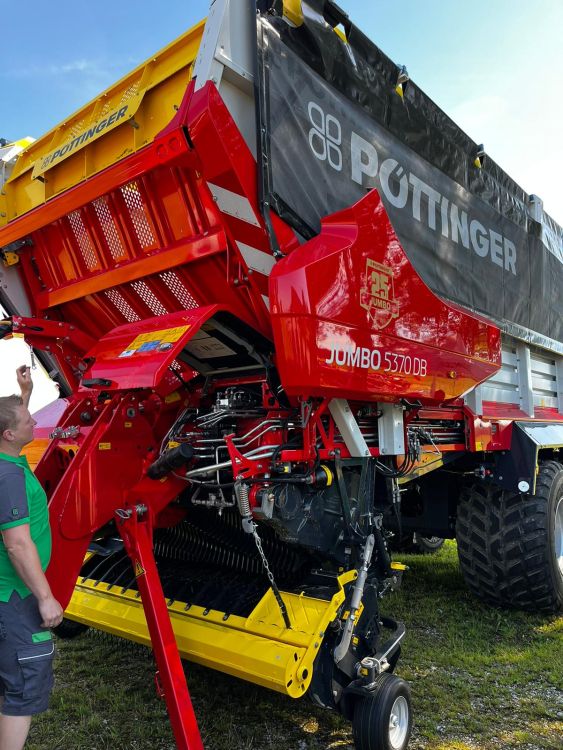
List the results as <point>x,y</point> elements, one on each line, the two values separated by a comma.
<point>266,301</point>
<point>233,204</point>
<point>256,259</point>
<point>39,656</point>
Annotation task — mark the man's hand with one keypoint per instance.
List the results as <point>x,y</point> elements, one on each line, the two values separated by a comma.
<point>51,612</point>
<point>25,382</point>
<point>23,374</point>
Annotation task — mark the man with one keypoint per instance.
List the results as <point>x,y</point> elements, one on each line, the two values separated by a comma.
<point>27,606</point>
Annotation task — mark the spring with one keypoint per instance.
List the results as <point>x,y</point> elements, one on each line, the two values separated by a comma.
<point>241,491</point>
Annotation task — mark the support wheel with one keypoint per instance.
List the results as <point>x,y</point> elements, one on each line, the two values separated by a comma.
<point>383,719</point>
<point>427,545</point>
<point>510,545</point>
<point>69,629</point>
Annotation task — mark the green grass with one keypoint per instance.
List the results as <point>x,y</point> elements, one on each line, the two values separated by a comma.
<point>481,679</point>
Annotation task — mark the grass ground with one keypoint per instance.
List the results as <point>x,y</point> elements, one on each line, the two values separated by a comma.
<point>481,679</point>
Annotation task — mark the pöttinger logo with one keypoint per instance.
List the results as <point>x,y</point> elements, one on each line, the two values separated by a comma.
<point>325,137</point>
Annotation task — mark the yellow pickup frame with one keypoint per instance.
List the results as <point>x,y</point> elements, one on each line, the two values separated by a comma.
<point>258,648</point>
<point>128,115</point>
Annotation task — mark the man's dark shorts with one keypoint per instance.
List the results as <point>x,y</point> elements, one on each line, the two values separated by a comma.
<point>26,658</point>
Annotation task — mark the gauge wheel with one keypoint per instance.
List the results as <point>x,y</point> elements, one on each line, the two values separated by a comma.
<point>383,718</point>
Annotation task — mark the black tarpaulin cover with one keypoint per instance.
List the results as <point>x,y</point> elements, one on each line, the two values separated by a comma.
<point>334,126</point>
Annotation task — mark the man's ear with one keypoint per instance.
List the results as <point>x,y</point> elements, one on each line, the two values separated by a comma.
<point>8,435</point>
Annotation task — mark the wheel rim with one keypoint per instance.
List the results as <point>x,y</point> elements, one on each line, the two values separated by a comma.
<point>398,722</point>
<point>559,535</point>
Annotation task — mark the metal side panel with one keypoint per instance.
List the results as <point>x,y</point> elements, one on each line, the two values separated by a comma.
<point>227,58</point>
<point>542,435</point>
<point>529,378</point>
<point>258,649</point>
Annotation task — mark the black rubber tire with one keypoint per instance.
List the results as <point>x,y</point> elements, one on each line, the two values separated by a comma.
<point>427,545</point>
<point>372,714</point>
<point>506,543</point>
<point>69,629</point>
<point>415,544</point>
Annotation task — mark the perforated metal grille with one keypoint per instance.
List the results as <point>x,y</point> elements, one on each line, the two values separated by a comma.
<point>122,305</point>
<point>179,290</point>
<point>108,228</point>
<point>83,240</point>
<point>103,112</point>
<point>76,129</point>
<point>130,92</point>
<point>134,204</point>
<point>150,300</point>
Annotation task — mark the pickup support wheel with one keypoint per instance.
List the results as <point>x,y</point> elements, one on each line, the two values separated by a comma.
<point>383,718</point>
<point>510,545</point>
<point>427,545</point>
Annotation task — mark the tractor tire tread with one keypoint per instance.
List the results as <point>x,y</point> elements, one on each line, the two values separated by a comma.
<point>502,549</point>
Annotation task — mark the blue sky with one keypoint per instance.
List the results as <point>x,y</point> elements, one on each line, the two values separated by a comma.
<point>496,67</point>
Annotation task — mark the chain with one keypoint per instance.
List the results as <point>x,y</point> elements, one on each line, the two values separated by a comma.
<point>271,579</point>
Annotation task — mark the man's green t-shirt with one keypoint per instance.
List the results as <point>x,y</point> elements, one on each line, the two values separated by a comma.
<point>22,500</point>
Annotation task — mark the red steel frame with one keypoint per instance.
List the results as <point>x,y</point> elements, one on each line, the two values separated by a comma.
<point>145,238</point>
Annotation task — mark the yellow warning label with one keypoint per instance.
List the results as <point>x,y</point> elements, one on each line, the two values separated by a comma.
<point>172,398</point>
<point>166,335</point>
<point>104,446</point>
<point>128,424</point>
<point>154,341</point>
<point>139,570</point>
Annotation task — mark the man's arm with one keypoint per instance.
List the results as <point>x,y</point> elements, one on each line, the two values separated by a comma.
<point>25,383</point>
<point>25,559</point>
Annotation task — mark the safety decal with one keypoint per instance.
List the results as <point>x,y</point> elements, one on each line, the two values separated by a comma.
<point>139,570</point>
<point>155,341</point>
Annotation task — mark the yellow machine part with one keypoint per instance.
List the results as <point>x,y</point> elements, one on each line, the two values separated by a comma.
<point>259,648</point>
<point>34,451</point>
<point>128,115</point>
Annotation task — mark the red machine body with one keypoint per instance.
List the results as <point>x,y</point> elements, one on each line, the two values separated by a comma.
<point>352,319</point>
<point>346,299</point>
<point>155,288</point>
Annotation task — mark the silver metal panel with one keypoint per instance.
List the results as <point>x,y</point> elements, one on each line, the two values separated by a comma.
<point>529,377</point>
<point>543,435</point>
<point>498,395</point>
<point>559,374</point>
<point>391,430</point>
<point>525,379</point>
<point>12,288</point>
<point>474,400</point>
<point>226,57</point>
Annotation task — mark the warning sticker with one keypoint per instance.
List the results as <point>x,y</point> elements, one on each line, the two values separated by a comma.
<point>139,570</point>
<point>155,341</point>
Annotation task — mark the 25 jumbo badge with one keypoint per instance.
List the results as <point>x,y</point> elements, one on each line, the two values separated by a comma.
<point>377,295</point>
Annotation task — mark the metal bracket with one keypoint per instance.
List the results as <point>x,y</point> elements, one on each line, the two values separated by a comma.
<point>391,430</point>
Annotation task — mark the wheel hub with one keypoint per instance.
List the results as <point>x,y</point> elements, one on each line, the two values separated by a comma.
<point>398,723</point>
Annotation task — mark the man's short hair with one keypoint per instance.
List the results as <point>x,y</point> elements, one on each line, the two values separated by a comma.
<point>8,412</point>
